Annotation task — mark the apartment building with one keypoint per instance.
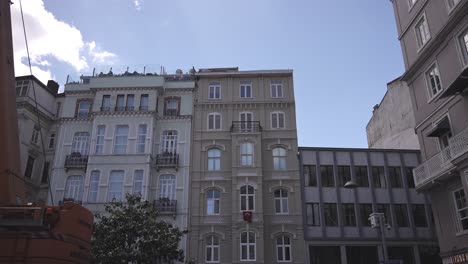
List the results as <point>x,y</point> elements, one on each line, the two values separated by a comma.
<point>434,40</point>
<point>36,127</point>
<point>336,225</point>
<point>245,192</point>
<point>127,133</point>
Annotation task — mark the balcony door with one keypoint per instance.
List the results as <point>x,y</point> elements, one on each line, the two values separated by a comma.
<point>80,143</point>
<point>167,187</point>
<point>246,119</point>
<point>169,142</point>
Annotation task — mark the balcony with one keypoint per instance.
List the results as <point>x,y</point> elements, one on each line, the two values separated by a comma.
<point>436,167</point>
<point>76,161</point>
<point>171,112</point>
<point>167,160</point>
<point>166,206</point>
<point>143,108</point>
<point>246,127</point>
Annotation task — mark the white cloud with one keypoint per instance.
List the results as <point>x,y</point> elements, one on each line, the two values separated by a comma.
<point>49,37</point>
<point>137,4</point>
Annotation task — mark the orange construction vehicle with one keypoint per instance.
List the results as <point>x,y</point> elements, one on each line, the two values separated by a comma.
<point>31,233</point>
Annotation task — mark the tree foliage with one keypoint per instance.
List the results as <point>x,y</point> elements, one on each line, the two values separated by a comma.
<point>131,233</point>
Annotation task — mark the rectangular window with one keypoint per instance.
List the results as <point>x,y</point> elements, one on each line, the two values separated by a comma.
<point>276,88</point>
<point>101,129</point>
<point>313,214</point>
<point>138,182</point>
<point>29,167</point>
<point>378,177</point>
<point>349,214</point>
<point>84,107</point>
<point>362,178</point>
<point>247,151</point>
<point>452,3</point>
<point>310,175</point>
<point>93,187</point>
<point>461,208</point>
<point>35,135</point>
<point>51,141</point>
<point>214,121</point>
<point>22,88</point>
<point>115,186</point>
<point>422,32</point>
<point>144,102</point>
<point>213,198</point>
<point>326,175</point>
<point>463,39</point>
<point>214,90</point>
<point>344,175</point>
<point>120,103</point>
<point>331,214</point>
<point>45,173</point>
<point>394,175</point>
<point>385,209</point>
<point>365,210</point>
<point>57,109</point>
<point>401,213</point>
<point>120,139</point>
<point>277,120</point>
<point>246,89</point>
<point>141,141</point>
<point>411,3</point>
<point>433,81</point>
<point>409,177</point>
<point>419,215</point>
<point>172,106</point>
<point>106,103</point>
<point>130,102</point>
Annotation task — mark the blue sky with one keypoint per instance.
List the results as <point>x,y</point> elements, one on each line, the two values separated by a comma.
<point>343,52</point>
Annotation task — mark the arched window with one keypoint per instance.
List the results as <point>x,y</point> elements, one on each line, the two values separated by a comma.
<point>212,249</point>
<point>212,202</point>
<point>248,246</point>
<point>214,159</point>
<point>214,121</point>
<point>279,158</point>
<point>283,249</point>
<point>247,154</point>
<point>167,187</point>
<point>74,188</point>
<point>80,143</point>
<point>169,142</point>
<point>93,186</point>
<point>247,195</point>
<point>281,201</point>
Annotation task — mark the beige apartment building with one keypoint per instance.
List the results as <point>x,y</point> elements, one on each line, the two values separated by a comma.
<point>245,200</point>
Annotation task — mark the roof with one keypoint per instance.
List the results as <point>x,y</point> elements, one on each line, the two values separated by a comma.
<point>240,73</point>
<point>356,149</point>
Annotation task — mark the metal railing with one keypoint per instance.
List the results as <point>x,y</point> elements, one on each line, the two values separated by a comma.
<point>440,163</point>
<point>171,112</point>
<point>167,159</point>
<point>76,160</point>
<point>246,127</point>
<point>165,205</point>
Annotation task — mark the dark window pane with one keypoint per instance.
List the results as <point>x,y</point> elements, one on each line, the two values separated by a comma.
<point>310,175</point>
<point>409,177</point>
<point>349,214</point>
<point>326,173</point>
<point>331,214</point>
<point>419,215</point>
<point>394,174</point>
<point>378,177</point>
<point>401,213</point>
<point>344,175</point>
<point>313,214</point>
<point>324,255</point>
<point>365,210</point>
<point>385,209</point>
<point>362,178</point>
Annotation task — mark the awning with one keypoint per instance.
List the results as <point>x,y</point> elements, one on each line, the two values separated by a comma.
<point>441,128</point>
<point>458,85</point>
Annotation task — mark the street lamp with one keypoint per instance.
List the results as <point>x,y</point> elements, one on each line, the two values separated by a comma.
<point>378,220</point>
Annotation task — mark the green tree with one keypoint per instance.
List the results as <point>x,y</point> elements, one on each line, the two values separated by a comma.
<point>131,233</point>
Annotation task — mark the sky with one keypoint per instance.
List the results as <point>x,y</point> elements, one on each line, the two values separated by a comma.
<point>343,52</point>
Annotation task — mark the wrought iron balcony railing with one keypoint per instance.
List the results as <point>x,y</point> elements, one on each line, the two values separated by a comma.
<point>171,112</point>
<point>440,163</point>
<point>76,160</point>
<point>246,127</point>
<point>105,109</point>
<point>167,160</point>
<point>143,108</point>
<point>166,206</point>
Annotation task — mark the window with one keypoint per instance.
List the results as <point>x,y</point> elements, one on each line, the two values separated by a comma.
<point>144,102</point>
<point>45,172</point>
<point>51,141</point>
<point>84,107</point>
<point>433,81</point>
<point>212,249</point>
<point>378,177</point>
<point>106,103</point>
<point>21,88</point>
<point>409,177</point>
<point>246,89</point>
<point>344,175</point>
<point>141,141</point>
<point>281,201</point>
<point>120,139</point>
<point>138,182</point>
<point>349,214</point>
<point>57,109</point>
<point>246,119</point>
<point>277,120</point>
<point>214,121</point>
<point>452,3</point>
<point>401,213</point>
<point>74,188</point>
<point>169,142</point>
<point>248,246</point>
<point>29,167</point>
<point>310,175</point>
<point>362,178</point>
<point>212,202</point>
<point>115,186</point>
<point>214,159</point>
<point>80,143</point>
<point>167,187</point>
<point>35,135</point>
<point>214,90</point>
<point>120,103</point>
<point>326,175</point>
<point>279,159</point>
<point>93,187</point>
<point>411,3</point>
<point>276,89</point>
<point>247,195</point>
<point>463,39</point>
<point>313,214</point>
<point>385,209</point>
<point>419,215</point>
<point>101,130</point>
<point>172,106</point>
<point>365,210</point>
<point>283,249</point>
<point>130,102</point>
<point>461,208</point>
<point>331,214</point>
<point>247,150</point>
<point>422,32</point>
<point>394,175</point>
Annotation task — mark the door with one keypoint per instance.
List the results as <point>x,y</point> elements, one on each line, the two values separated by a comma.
<point>246,119</point>
<point>169,142</point>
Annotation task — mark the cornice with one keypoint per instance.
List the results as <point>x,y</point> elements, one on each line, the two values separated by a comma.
<point>156,88</point>
<point>74,120</point>
<point>123,113</point>
<point>245,105</point>
<point>172,118</point>
<point>178,90</point>
<point>85,92</point>
<point>30,108</point>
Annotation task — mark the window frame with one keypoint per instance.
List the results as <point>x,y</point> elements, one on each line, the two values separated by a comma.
<point>419,40</point>
<point>248,246</point>
<point>169,141</point>
<point>80,142</point>
<point>77,188</point>
<point>169,110</point>
<point>212,120</point>
<point>83,112</point>
<point>276,85</point>
<point>116,173</point>
<point>452,6</point>
<point>349,219</point>
<point>216,86</point>
<point>170,181</point>
<point>247,156</point>
<point>277,124</point>
<point>344,174</point>
<point>247,197</point>
<point>212,246</point>
<point>459,219</point>
<point>213,161</point>
<point>106,103</point>
<point>365,210</point>
<point>284,246</point>
<point>21,88</point>
<point>429,89</point>
<point>326,168</point>
<point>29,167</point>
<point>45,172</point>
<point>138,180</point>
<point>100,139</point>
<point>314,214</point>
<point>51,144</point>
<point>310,173</point>
<point>144,102</point>
<point>381,176</point>
<point>141,139</point>
<point>332,209</point>
<point>282,200</point>
<point>94,186</point>
<point>35,135</point>
<point>415,210</point>
<point>245,84</point>
<point>396,180</point>
<point>124,147</point>
<point>216,201</point>
<point>401,215</point>
<point>362,180</point>
<point>411,4</point>
<point>280,155</point>
<point>463,45</point>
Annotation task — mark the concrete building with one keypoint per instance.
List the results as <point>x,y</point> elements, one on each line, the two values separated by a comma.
<point>126,133</point>
<point>33,132</point>
<point>336,225</point>
<point>392,123</point>
<point>245,190</point>
<point>434,40</point>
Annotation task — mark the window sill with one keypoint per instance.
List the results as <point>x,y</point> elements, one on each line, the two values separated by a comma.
<point>435,97</point>
<point>421,48</point>
<point>461,233</point>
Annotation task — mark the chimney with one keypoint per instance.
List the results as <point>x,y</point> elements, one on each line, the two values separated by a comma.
<point>53,86</point>
<point>375,107</point>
